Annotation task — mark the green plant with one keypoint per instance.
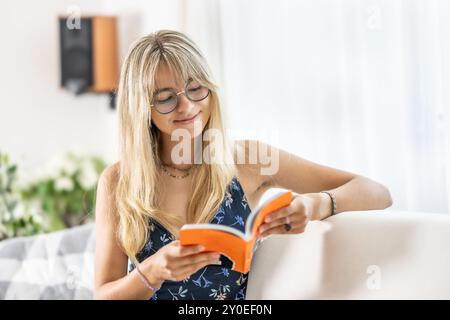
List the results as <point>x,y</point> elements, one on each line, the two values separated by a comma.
<point>65,190</point>
<point>15,220</point>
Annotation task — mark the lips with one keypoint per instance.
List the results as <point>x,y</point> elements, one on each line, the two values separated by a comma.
<point>187,120</point>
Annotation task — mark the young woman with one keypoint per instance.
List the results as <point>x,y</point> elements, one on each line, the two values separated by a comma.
<point>168,105</point>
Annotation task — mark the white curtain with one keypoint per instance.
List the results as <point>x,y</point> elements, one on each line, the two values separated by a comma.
<point>361,85</point>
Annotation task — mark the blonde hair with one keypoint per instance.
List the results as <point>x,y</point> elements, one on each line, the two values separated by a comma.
<point>138,194</point>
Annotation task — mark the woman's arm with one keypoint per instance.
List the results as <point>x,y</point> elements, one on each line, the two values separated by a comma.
<point>306,179</point>
<point>360,193</point>
<point>111,278</point>
<point>352,192</point>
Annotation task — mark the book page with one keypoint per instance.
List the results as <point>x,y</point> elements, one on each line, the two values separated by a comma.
<point>213,226</point>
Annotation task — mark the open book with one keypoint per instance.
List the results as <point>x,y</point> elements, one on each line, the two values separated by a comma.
<point>231,242</point>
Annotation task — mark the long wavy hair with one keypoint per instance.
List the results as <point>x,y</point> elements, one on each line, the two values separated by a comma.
<point>138,193</point>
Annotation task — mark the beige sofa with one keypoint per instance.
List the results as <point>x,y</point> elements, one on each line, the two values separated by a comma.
<point>357,255</point>
<point>354,255</point>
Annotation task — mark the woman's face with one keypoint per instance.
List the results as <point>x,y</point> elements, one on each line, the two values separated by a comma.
<point>187,115</point>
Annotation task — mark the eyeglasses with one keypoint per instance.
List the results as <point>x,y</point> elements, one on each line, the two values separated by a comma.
<point>166,100</point>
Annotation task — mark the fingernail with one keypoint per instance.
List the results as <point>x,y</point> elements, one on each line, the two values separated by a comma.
<point>218,262</point>
<point>201,248</point>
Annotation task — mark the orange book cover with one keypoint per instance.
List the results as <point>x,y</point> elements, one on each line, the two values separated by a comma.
<point>231,242</point>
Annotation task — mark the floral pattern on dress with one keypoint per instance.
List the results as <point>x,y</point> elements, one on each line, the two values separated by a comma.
<point>217,282</point>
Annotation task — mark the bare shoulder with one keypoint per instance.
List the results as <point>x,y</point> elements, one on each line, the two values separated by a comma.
<point>289,170</point>
<point>105,199</point>
<point>243,160</point>
<point>110,176</point>
<point>248,165</point>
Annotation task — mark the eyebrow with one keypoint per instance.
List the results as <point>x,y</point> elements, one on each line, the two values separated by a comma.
<point>163,89</point>
<point>170,88</point>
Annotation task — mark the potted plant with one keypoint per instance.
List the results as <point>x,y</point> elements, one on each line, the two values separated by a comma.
<point>65,190</point>
<point>15,219</point>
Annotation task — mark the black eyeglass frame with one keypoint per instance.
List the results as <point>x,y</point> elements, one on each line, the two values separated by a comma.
<point>177,94</point>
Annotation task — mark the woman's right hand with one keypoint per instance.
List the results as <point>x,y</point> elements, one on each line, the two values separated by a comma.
<point>176,262</point>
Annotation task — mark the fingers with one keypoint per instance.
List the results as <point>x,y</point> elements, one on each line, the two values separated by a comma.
<point>281,213</point>
<point>177,250</point>
<point>291,219</point>
<point>210,257</point>
<point>179,256</point>
<point>297,227</point>
<point>202,260</point>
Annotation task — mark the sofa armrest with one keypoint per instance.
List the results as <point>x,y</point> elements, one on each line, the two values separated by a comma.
<point>357,255</point>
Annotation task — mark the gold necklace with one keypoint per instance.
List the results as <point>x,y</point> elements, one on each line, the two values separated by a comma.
<point>175,176</point>
<point>177,169</point>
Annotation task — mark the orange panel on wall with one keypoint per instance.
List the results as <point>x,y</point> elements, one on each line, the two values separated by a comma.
<point>105,57</point>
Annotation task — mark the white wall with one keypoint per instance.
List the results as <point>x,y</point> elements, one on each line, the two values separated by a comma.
<point>38,119</point>
<point>352,77</point>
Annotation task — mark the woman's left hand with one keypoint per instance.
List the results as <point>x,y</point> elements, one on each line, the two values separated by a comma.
<point>296,215</point>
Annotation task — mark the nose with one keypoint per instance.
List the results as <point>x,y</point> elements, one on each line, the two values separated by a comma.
<point>184,104</point>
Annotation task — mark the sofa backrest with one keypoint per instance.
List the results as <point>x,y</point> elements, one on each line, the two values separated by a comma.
<point>58,265</point>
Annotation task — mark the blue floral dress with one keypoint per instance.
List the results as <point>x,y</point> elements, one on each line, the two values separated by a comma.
<point>217,282</point>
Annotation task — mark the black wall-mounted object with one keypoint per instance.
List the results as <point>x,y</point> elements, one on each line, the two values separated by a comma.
<point>89,55</point>
<point>76,55</point>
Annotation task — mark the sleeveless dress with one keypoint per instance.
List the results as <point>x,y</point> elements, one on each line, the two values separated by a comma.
<point>216,282</point>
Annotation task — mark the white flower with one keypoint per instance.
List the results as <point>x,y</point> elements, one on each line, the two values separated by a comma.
<point>3,171</point>
<point>88,176</point>
<point>69,166</point>
<point>64,184</point>
<point>7,215</point>
<point>24,179</point>
<point>34,209</point>
<point>36,217</point>
<point>19,211</point>
<point>53,168</point>
<point>58,165</point>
